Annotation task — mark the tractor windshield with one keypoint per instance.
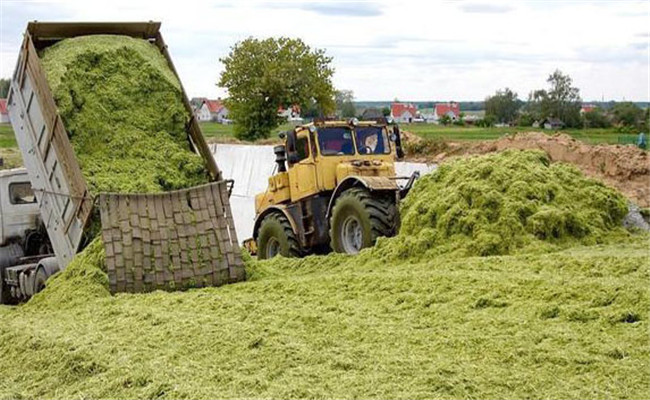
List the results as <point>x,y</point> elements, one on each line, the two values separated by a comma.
<point>335,141</point>
<point>372,140</point>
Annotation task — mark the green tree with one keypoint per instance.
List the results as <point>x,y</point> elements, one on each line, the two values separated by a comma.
<point>4,88</point>
<point>262,75</point>
<point>628,114</point>
<point>445,120</point>
<point>561,101</point>
<point>345,103</point>
<point>503,105</point>
<point>596,118</point>
<point>385,111</point>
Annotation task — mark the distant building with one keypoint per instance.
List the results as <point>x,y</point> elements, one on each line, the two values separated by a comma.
<point>403,112</point>
<point>450,109</point>
<point>586,108</point>
<point>291,113</point>
<point>552,123</point>
<point>212,110</point>
<point>4,114</point>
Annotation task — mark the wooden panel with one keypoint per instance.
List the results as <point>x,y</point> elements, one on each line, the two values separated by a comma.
<point>187,240</point>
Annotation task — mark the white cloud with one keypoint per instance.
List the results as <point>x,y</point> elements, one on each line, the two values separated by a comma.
<point>385,49</point>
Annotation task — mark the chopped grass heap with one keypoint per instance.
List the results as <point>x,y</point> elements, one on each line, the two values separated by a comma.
<point>514,201</point>
<point>124,112</point>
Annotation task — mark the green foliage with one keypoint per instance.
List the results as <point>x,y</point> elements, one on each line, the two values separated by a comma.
<point>596,118</point>
<point>445,120</point>
<point>629,114</point>
<point>503,106</point>
<point>525,119</point>
<point>504,203</point>
<point>344,100</point>
<point>122,107</point>
<point>486,122</point>
<point>561,101</point>
<point>262,75</point>
<point>385,111</point>
<point>4,88</point>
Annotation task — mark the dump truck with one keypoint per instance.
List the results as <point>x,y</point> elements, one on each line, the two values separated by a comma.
<point>335,189</point>
<point>177,239</point>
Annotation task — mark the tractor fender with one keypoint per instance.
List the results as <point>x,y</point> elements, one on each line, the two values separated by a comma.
<point>280,208</point>
<point>372,183</point>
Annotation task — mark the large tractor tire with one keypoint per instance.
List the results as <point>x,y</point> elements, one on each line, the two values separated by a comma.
<point>359,217</point>
<point>276,237</point>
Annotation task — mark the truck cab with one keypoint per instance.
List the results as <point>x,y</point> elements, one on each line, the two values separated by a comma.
<point>25,252</point>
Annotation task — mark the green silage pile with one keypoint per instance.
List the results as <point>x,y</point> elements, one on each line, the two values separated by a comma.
<point>123,109</point>
<point>514,201</point>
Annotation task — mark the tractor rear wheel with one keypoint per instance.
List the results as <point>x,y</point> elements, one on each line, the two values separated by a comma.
<point>359,217</point>
<point>276,237</point>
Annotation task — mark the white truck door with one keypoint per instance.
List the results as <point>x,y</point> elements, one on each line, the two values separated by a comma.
<point>19,208</point>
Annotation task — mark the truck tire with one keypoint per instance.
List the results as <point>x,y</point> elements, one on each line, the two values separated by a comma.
<point>39,280</point>
<point>276,237</point>
<point>359,217</point>
<point>9,256</point>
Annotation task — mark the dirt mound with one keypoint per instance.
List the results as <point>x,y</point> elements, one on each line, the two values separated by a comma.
<point>626,168</point>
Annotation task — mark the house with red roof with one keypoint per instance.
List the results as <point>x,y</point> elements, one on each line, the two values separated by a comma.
<point>403,112</point>
<point>290,113</point>
<point>4,113</point>
<point>586,108</point>
<point>212,110</point>
<point>451,109</point>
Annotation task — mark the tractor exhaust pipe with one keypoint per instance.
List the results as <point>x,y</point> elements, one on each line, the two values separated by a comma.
<point>281,157</point>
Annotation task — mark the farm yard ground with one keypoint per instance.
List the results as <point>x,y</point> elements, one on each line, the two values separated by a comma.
<point>569,324</point>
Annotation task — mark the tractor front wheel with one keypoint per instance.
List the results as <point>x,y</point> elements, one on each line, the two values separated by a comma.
<point>276,237</point>
<point>359,217</point>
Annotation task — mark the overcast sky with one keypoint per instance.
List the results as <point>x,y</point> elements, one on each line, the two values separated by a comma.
<point>410,50</point>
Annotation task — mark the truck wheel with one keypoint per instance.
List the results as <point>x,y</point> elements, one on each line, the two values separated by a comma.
<point>359,217</point>
<point>9,256</point>
<point>39,280</point>
<point>276,237</point>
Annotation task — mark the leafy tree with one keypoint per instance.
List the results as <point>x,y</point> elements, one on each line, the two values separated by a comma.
<point>385,111</point>
<point>4,88</point>
<point>561,101</point>
<point>596,118</point>
<point>525,119</point>
<point>345,103</point>
<point>262,75</point>
<point>503,105</point>
<point>628,114</point>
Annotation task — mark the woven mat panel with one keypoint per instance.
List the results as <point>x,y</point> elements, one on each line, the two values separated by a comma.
<point>170,241</point>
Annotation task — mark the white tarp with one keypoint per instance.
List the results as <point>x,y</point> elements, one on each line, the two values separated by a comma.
<point>251,166</point>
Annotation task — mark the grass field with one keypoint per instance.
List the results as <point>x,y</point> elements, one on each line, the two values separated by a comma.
<point>456,133</point>
<point>7,138</point>
<point>570,325</point>
<point>592,136</point>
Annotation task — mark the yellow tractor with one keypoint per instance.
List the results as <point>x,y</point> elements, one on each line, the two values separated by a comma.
<point>335,188</point>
